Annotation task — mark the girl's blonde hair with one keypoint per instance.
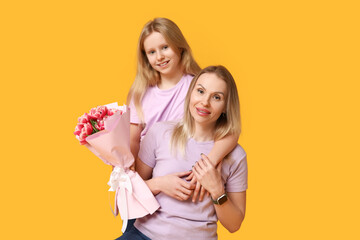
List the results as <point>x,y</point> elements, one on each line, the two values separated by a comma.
<point>227,123</point>
<point>146,76</point>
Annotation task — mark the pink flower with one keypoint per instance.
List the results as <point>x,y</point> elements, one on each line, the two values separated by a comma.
<point>85,131</point>
<point>78,128</point>
<point>84,118</point>
<point>100,125</point>
<point>99,113</point>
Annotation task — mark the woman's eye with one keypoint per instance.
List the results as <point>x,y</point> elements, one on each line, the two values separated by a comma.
<point>200,91</point>
<point>217,97</point>
<point>165,47</point>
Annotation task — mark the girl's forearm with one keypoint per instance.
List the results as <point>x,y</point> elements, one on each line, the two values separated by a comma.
<point>153,185</point>
<point>222,148</point>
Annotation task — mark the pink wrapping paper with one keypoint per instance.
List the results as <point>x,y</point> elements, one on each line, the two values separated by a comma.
<point>133,198</point>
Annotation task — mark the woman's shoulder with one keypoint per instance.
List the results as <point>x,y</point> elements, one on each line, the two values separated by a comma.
<point>238,153</point>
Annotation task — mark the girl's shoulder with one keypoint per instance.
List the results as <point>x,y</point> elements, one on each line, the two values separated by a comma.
<point>162,127</point>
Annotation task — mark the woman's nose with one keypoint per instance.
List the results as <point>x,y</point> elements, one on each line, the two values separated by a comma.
<point>205,100</point>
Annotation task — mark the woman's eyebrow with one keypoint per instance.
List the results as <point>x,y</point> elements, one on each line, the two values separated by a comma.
<point>205,89</point>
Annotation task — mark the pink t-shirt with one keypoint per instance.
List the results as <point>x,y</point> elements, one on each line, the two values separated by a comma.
<point>162,105</point>
<point>184,219</point>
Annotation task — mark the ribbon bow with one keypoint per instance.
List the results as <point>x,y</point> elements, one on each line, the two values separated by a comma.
<point>119,181</point>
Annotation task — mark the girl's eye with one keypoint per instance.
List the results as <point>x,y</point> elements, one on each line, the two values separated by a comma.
<point>165,47</point>
<point>151,52</point>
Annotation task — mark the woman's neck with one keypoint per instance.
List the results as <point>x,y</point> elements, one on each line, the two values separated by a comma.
<point>203,133</point>
<point>169,81</point>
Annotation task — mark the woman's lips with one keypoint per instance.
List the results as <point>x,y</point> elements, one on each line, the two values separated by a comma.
<point>202,112</point>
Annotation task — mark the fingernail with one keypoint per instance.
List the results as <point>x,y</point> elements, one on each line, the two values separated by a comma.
<point>201,154</point>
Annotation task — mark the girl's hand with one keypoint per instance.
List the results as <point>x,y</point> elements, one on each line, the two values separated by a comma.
<point>209,176</point>
<point>174,186</point>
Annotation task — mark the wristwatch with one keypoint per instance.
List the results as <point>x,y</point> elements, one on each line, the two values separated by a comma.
<point>220,200</point>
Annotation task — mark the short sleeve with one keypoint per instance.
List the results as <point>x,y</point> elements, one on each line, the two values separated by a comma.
<point>148,146</point>
<point>238,173</point>
<point>134,118</point>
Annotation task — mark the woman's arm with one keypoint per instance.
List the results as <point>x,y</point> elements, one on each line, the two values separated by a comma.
<point>219,151</point>
<point>232,212</point>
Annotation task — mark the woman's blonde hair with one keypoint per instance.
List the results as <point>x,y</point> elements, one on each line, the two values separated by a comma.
<point>146,76</point>
<point>227,123</point>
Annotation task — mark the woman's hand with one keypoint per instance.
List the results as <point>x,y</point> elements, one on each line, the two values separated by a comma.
<point>209,176</point>
<point>198,188</point>
<point>174,186</point>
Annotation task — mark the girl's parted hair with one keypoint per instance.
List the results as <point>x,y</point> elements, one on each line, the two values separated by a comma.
<point>146,76</point>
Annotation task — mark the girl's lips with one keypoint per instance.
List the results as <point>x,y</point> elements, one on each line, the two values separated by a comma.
<point>202,112</point>
<point>163,64</point>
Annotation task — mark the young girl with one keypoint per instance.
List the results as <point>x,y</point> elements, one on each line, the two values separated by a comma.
<point>165,69</point>
<point>170,149</point>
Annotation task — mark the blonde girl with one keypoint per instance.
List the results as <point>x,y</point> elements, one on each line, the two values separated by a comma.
<point>165,69</point>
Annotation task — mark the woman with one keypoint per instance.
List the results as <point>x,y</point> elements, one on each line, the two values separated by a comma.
<point>168,151</point>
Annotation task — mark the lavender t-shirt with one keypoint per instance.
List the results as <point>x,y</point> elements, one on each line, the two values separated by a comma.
<point>185,219</point>
<point>162,105</point>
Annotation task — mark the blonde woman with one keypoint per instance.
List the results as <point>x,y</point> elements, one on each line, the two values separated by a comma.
<point>170,149</point>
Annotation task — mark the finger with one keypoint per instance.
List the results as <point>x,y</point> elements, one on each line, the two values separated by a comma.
<point>196,192</point>
<point>182,174</point>
<point>186,191</point>
<point>182,196</point>
<point>190,177</point>
<point>206,159</point>
<point>202,193</point>
<point>202,164</point>
<point>193,180</point>
<point>187,185</point>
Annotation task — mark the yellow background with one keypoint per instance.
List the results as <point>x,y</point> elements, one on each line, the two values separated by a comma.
<point>296,64</point>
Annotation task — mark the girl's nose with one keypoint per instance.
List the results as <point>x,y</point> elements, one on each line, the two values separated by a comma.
<point>159,56</point>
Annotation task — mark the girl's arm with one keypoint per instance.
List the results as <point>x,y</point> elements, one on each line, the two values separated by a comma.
<point>232,212</point>
<point>222,148</point>
<point>172,185</point>
<point>135,133</point>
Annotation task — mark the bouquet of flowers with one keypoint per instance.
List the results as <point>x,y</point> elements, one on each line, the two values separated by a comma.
<point>105,131</point>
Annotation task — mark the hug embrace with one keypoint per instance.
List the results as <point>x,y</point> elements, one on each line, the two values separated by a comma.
<point>185,124</point>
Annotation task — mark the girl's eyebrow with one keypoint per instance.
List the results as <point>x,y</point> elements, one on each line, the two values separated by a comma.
<point>205,89</point>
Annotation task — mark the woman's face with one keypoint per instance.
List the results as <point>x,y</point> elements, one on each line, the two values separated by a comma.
<point>160,55</point>
<point>208,99</point>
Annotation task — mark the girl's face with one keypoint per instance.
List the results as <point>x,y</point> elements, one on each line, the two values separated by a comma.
<point>208,99</point>
<point>161,56</point>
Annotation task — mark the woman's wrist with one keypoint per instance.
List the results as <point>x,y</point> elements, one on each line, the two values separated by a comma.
<point>217,192</point>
